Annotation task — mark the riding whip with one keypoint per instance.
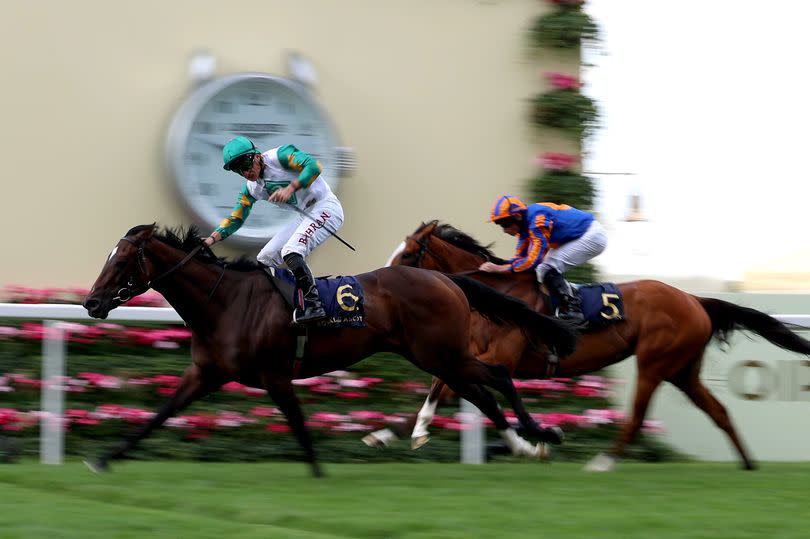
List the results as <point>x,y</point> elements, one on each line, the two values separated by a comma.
<point>310,217</point>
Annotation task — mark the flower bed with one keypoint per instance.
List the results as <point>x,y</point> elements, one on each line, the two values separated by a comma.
<point>117,375</point>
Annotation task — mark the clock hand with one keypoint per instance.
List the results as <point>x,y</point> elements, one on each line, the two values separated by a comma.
<point>212,140</point>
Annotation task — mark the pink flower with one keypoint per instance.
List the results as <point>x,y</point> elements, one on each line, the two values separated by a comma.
<point>325,388</point>
<point>367,415</point>
<point>350,427</point>
<point>352,394</point>
<point>327,416</point>
<point>557,161</point>
<point>561,81</point>
<point>264,411</point>
<point>314,381</point>
<point>277,427</point>
<point>572,3</point>
<point>6,331</point>
<point>653,426</point>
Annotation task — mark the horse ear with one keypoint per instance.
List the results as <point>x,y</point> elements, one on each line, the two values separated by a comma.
<point>147,232</point>
<point>431,226</point>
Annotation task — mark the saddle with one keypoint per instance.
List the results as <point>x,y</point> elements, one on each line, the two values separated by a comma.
<point>602,304</point>
<point>342,297</point>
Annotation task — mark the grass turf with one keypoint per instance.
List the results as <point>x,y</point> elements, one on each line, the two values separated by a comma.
<point>220,500</point>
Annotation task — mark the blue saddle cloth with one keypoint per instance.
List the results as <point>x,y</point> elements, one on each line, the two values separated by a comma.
<point>342,299</point>
<point>602,303</point>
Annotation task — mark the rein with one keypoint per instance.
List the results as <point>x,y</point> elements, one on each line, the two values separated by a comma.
<point>130,290</point>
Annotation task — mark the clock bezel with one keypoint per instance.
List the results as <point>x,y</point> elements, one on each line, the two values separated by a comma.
<point>180,130</point>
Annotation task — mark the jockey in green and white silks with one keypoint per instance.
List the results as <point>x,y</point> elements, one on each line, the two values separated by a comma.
<point>284,175</point>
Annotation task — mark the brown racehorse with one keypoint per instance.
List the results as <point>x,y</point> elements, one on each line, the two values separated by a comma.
<point>240,327</point>
<point>667,330</point>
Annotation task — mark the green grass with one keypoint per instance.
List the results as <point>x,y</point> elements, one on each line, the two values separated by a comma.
<point>223,501</point>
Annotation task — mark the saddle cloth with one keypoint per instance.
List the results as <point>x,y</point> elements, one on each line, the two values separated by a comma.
<point>342,297</point>
<point>602,304</point>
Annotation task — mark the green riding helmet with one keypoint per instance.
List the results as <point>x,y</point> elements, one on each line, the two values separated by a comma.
<point>235,149</point>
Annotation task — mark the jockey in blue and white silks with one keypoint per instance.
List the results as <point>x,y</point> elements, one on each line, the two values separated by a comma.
<point>552,238</point>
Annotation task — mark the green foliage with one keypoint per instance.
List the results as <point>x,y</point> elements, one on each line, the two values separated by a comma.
<point>563,187</point>
<point>567,109</point>
<point>566,27</point>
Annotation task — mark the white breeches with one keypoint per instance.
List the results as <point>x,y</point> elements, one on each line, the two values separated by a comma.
<point>303,234</point>
<point>576,252</point>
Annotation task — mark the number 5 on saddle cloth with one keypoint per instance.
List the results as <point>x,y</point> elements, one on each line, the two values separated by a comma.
<point>602,304</point>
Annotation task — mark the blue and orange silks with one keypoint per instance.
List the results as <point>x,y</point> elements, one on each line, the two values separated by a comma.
<point>545,226</point>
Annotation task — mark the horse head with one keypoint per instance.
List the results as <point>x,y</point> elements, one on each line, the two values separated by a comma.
<point>124,275</point>
<point>412,251</point>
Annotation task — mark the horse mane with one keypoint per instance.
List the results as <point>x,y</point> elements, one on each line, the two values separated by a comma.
<point>464,241</point>
<point>186,239</point>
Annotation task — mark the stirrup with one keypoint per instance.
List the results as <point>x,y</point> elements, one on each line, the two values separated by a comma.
<point>575,317</point>
<point>309,315</point>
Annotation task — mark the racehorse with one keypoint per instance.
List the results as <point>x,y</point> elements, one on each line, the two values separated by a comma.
<point>241,330</point>
<point>667,330</point>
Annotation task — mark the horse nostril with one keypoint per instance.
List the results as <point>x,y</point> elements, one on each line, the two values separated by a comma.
<point>90,303</point>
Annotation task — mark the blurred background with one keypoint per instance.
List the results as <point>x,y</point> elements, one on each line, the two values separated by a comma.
<point>679,124</point>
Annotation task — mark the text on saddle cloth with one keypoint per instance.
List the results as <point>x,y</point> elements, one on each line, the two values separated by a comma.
<point>342,298</point>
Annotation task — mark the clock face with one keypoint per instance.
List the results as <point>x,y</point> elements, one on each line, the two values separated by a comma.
<point>271,112</point>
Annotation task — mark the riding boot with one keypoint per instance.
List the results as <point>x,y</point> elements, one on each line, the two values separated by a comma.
<point>313,310</point>
<point>570,305</point>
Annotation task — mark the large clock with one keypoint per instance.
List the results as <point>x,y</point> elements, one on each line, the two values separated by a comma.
<point>269,110</point>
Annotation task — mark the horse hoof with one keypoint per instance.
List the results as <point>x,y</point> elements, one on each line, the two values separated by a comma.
<point>419,441</point>
<point>380,438</point>
<point>97,466</point>
<point>372,441</point>
<point>543,452</point>
<point>553,435</point>
<point>601,463</point>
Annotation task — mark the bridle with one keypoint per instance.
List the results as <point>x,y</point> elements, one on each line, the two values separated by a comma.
<point>423,250</point>
<point>129,291</point>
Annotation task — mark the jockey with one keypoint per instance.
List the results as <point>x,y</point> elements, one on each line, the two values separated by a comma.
<point>552,238</point>
<point>284,175</point>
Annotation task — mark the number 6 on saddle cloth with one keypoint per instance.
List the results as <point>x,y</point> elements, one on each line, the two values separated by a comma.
<point>342,297</point>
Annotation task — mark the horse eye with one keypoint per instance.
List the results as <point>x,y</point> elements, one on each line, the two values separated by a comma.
<point>408,255</point>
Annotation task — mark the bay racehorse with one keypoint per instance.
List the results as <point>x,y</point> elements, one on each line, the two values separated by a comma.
<point>667,330</point>
<point>241,330</point>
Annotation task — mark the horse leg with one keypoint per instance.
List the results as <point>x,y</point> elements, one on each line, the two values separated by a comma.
<point>497,377</point>
<point>418,424</point>
<point>420,435</point>
<point>485,401</point>
<point>689,382</point>
<point>282,392</point>
<point>193,386</point>
<point>385,437</point>
<point>500,380</point>
<point>645,386</point>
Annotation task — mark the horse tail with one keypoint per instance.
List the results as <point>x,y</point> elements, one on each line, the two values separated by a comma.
<point>726,317</point>
<point>503,309</point>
